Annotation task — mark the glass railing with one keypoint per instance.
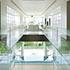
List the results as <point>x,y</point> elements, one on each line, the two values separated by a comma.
<point>60,38</point>
<point>6,56</point>
<point>33,52</point>
<point>14,34</point>
<point>5,51</point>
<point>54,51</point>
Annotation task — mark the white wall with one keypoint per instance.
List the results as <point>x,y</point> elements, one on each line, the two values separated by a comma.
<point>4,30</point>
<point>3,17</point>
<point>64,17</point>
<point>4,4</point>
<point>53,9</point>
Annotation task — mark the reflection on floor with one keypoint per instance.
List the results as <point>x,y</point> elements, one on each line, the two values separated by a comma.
<point>38,51</point>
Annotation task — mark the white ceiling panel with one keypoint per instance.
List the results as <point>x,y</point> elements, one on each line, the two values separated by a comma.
<point>33,7</point>
<point>33,0</point>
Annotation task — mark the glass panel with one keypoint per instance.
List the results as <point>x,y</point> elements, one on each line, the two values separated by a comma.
<point>34,51</point>
<point>5,51</point>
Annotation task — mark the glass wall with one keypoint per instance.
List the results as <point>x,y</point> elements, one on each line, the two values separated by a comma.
<point>35,20</point>
<point>13,18</point>
<point>13,25</point>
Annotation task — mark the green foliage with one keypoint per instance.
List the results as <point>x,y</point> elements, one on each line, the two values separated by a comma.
<point>65,46</point>
<point>31,45</point>
<point>3,48</point>
<point>18,45</point>
<point>48,44</point>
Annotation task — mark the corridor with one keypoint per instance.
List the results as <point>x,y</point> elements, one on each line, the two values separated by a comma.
<point>34,34</point>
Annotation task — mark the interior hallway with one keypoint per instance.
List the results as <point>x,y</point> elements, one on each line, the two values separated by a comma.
<point>34,34</point>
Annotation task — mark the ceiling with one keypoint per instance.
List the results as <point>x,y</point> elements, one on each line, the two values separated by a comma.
<point>33,7</point>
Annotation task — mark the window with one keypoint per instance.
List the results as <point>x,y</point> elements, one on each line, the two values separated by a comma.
<point>13,17</point>
<point>35,20</point>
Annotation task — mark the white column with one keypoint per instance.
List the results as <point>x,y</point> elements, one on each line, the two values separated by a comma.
<point>22,51</point>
